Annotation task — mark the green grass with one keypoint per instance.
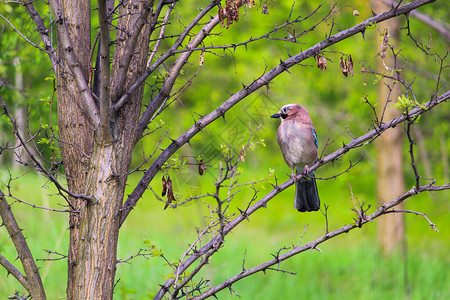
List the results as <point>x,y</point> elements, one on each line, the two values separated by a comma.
<point>349,266</point>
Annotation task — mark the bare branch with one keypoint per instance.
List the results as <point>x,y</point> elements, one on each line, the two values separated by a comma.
<point>161,36</point>
<point>356,143</point>
<point>442,28</point>
<point>15,272</point>
<point>60,256</point>
<point>163,58</point>
<point>43,31</point>
<point>264,80</point>
<point>411,151</point>
<point>130,45</point>
<point>105,72</point>
<point>39,166</point>
<point>49,50</point>
<point>37,206</point>
<point>69,56</point>
<point>313,245</point>
<point>33,280</point>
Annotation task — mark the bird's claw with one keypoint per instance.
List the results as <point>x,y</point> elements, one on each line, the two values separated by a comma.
<point>305,170</point>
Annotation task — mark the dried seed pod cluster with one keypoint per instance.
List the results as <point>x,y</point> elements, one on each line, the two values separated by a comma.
<point>167,190</point>
<point>321,62</point>
<point>347,65</point>
<point>201,167</point>
<point>231,10</point>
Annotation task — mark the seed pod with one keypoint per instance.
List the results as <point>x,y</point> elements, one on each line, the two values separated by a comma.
<point>222,15</point>
<point>321,62</point>
<point>236,12</point>
<point>164,186</point>
<point>201,60</point>
<point>350,65</point>
<point>201,167</point>
<point>229,7</point>
<point>170,196</point>
<point>344,67</point>
<point>355,13</point>
<point>265,10</point>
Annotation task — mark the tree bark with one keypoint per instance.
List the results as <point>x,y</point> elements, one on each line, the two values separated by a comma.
<point>76,130</point>
<point>107,174</point>
<point>95,166</point>
<point>390,180</point>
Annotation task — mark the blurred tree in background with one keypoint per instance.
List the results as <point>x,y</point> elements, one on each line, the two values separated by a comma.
<point>116,118</point>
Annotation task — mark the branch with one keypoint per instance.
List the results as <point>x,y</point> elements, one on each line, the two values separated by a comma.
<point>356,143</point>
<point>411,151</point>
<point>313,245</point>
<point>32,282</point>
<point>69,56</point>
<point>15,272</point>
<point>161,35</point>
<point>432,225</point>
<point>442,28</point>
<point>264,80</point>
<point>130,45</point>
<point>43,31</point>
<point>49,50</point>
<point>193,46</point>
<point>60,256</point>
<point>40,167</point>
<point>38,206</point>
<point>105,72</point>
<point>163,58</point>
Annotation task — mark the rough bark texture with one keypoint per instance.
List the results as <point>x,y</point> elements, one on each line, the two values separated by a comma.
<point>94,166</point>
<point>107,174</point>
<point>390,180</point>
<point>126,120</point>
<point>76,131</point>
<point>99,227</point>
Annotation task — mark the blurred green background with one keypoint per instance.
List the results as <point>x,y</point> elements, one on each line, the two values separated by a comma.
<point>351,265</point>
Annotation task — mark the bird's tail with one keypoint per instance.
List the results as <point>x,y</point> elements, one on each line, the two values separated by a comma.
<point>306,195</point>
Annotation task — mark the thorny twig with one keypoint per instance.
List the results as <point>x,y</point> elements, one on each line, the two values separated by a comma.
<point>313,244</point>
<point>39,165</point>
<point>207,250</point>
<point>432,225</point>
<point>262,81</point>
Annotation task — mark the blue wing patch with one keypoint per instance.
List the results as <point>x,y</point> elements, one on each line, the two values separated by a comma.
<point>316,142</point>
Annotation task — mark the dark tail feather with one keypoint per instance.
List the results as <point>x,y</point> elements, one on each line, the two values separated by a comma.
<point>306,195</point>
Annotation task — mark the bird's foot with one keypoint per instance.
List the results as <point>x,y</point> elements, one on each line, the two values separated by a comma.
<point>306,170</point>
<point>293,176</point>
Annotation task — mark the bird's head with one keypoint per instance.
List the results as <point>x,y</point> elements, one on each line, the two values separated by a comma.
<point>289,111</point>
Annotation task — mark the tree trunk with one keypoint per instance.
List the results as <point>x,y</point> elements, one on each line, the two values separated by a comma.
<point>94,166</point>
<point>390,180</point>
<point>93,276</point>
<point>76,131</point>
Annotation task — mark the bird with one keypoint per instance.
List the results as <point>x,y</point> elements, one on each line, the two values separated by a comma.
<point>298,142</point>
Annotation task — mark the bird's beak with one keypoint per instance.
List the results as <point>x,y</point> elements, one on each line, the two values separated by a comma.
<point>277,115</point>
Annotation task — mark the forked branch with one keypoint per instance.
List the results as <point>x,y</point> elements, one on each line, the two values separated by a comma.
<point>32,280</point>
<point>313,245</point>
<point>262,81</point>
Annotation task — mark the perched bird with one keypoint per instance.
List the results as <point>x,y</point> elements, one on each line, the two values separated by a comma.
<point>298,142</point>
